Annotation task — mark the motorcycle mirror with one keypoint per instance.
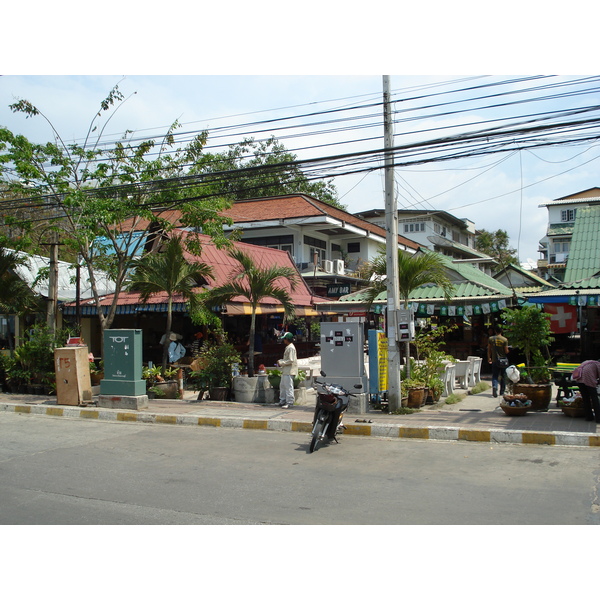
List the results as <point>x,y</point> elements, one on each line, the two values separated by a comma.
<point>323,374</point>
<point>357,386</point>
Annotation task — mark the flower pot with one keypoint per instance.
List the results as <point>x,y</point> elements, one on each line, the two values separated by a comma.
<point>514,411</point>
<point>219,394</point>
<point>170,389</point>
<point>540,394</point>
<point>416,397</point>
<point>573,411</point>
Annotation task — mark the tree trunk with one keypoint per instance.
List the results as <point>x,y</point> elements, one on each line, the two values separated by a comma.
<point>251,343</point>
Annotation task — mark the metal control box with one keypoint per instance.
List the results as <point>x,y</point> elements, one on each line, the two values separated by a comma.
<point>123,363</point>
<point>343,354</point>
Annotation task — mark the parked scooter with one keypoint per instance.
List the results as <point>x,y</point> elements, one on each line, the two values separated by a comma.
<point>332,401</point>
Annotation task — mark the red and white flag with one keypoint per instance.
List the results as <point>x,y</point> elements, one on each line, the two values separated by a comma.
<point>563,317</point>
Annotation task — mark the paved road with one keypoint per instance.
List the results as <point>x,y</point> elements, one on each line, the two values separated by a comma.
<point>69,471</point>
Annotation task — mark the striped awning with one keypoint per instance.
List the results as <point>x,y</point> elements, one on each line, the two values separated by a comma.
<point>245,308</point>
<point>89,310</point>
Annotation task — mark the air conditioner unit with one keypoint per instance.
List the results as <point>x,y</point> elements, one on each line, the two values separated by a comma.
<point>339,267</point>
<point>328,266</point>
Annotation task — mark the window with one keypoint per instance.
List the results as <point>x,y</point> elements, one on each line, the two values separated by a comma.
<point>353,247</point>
<point>568,215</point>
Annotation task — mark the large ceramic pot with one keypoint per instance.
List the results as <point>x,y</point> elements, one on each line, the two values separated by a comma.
<point>219,394</point>
<point>540,394</point>
<point>416,397</point>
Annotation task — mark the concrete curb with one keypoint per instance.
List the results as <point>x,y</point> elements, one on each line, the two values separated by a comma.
<point>384,430</point>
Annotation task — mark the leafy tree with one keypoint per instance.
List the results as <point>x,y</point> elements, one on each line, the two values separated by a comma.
<point>109,205</point>
<point>253,169</point>
<point>528,328</point>
<point>168,271</point>
<point>253,282</point>
<point>15,295</point>
<point>496,244</point>
<point>414,271</point>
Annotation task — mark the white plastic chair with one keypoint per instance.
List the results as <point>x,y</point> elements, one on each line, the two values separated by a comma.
<point>462,373</point>
<point>475,375</point>
<point>448,379</point>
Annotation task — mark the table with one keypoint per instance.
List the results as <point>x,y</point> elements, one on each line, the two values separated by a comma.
<point>562,378</point>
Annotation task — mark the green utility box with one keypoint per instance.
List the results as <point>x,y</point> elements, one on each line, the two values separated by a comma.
<point>123,363</point>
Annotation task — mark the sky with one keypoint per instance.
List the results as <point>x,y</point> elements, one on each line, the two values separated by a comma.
<point>501,191</point>
<point>266,64</point>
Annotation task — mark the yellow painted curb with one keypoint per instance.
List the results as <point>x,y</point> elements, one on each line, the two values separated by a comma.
<point>209,421</point>
<point>414,432</point>
<point>168,419</point>
<point>474,436</point>
<point>358,430</point>
<point>303,427</point>
<point>539,438</point>
<point>252,424</point>
<point>54,411</point>
<point>594,440</point>
<point>126,417</point>
<point>89,414</point>
<point>23,409</point>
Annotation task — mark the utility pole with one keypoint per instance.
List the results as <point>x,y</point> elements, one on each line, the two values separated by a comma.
<point>391,222</point>
<point>52,306</point>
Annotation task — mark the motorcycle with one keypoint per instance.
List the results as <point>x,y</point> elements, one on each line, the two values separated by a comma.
<point>332,401</point>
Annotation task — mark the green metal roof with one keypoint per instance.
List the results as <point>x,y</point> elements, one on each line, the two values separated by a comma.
<point>583,266</point>
<point>561,229</point>
<point>468,281</point>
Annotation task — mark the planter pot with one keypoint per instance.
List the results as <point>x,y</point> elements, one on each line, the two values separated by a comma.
<point>254,389</point>
<point>170,389</point>
<point>514,411</point>
<point>275,380</point>
<point>573,411</point>
<point>416,397</point>
<point>96,378</point>
<point>219,394</point>
<point>540,394</point>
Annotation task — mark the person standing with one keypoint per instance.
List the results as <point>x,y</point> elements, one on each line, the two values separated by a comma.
<point>497,356</point>
<point>289,369</point>
<point>587,376</point>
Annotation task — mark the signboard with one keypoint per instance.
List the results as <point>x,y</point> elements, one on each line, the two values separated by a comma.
<point>338,289</point>
<point>563,318</point>
<point>378,361</point>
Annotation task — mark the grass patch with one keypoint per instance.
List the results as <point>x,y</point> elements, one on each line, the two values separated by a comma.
<point>455,398</point>
<point>404,410</point>
<point>482,386</point>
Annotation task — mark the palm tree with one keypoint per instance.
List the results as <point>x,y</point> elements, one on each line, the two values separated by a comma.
<point>254,283</point>
<point>168,271</point>
<point>423,268</point>
<point>15,295</point>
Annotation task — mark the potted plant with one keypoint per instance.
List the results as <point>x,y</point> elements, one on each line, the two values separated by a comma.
<point>528,329</point>
<point>166,386</point>
<point>215,373</point>
<point>414,389</point>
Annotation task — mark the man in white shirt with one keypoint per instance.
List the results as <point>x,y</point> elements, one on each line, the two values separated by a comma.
<point>289,369</point>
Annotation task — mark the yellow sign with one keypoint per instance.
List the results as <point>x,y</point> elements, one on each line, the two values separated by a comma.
<point>382,353</point>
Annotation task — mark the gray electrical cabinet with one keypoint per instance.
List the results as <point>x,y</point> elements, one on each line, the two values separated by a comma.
<point>342,354</point>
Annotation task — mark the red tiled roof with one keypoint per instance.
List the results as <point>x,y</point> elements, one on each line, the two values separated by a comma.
<point>281,207</point>
<point>223,266</point>
<point>297,206</point>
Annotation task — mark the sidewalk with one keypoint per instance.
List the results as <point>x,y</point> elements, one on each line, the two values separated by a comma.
<point>476,418</point>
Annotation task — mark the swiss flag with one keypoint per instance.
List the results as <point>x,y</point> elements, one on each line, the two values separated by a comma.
<point>563,317</point>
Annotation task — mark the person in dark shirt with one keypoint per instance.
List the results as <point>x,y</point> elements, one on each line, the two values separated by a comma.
<point>497,357</point>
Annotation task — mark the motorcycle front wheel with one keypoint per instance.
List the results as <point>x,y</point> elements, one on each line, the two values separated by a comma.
<point>319,428</point>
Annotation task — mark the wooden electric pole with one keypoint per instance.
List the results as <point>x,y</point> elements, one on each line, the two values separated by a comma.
<point>391,221</point>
